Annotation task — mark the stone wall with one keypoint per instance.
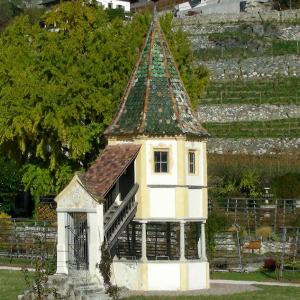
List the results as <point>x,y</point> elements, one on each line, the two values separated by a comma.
<point>253,146</point>
<point>199,34</point>
<point>278,16</point>
<point>254,67</point>
<point>236,112</point>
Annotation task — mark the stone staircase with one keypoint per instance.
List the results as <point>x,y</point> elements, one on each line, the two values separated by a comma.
<point>78,287</point>
<point>119,215</point>
<point>112,210</point>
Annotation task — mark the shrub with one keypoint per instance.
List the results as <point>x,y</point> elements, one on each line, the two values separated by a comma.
<point>5,227</point>
<point>286,186</point>
<point>270,264</point>
<point>105,270</point>
<point>216,222</point>
<point>264,231</point>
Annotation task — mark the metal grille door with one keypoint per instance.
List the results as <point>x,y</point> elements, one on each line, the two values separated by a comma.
<point>78,258</point>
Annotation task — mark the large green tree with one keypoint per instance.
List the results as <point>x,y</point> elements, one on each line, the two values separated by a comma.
<point>10,183</point>
<point>60,87</point>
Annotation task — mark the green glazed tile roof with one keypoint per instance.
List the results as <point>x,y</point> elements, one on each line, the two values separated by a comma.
<point>155,101</point>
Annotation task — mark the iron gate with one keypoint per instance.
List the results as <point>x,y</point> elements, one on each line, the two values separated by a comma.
<point>78,258</point>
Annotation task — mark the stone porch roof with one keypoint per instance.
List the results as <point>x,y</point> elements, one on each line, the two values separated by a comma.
<point>155,101</point>
<point>106,170</point>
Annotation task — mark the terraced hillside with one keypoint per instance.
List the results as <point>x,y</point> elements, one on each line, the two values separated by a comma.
<point>254,95</point>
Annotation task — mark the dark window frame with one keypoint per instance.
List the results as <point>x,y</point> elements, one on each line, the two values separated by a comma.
<point>192,161</point>
<point>161,161</point>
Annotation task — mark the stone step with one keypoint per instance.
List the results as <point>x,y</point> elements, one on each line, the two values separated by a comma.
<point>96,296</point>
<point>87,292</point>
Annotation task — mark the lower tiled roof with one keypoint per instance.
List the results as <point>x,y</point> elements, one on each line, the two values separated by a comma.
<point>106,170</point>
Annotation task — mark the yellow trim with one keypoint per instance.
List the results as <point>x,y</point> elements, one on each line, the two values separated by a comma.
<point>181,170</point>
<point>204,203</point>
<point>183,276</point>
<point>204,190</point>
<point>142,197</point>
<point>204,157</point>
<point>207,276</point>
<point>144,276</point>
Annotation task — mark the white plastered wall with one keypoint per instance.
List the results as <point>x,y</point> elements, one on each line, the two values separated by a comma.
<point>162,202</point>
<point>126,274</point>
<point>198,275</point>
<point>195,203</point>
<point>164,275</point>
<point>199,177</point>
<point>197,198</point>
<point>169,178</point>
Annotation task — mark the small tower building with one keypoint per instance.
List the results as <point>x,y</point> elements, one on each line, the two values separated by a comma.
<point>146,194</point>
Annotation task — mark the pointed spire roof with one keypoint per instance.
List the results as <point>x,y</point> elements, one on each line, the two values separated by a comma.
<point>155,101</point>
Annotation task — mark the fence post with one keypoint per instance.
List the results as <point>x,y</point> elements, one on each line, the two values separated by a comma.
<point>239,248</point>
<point>282,252</point>
<point>296,248</point>
<point>275,215</point>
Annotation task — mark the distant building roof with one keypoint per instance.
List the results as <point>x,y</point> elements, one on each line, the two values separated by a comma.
<point>106,170</point>
<point>155,101</point>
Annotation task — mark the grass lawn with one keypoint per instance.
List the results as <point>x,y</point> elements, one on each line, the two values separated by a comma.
<point>15,262</point>
<point>288,276</point>
<point>267,293</point>
<point>12,284</point>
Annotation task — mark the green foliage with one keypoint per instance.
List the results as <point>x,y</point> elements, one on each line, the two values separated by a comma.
<point>281,128</point>
<point>273,91</point>
<point>250,183</point>
<point>10,183</point>
<point>286,186</point>
<point>6,12</point>
<point>285,4</point>
<point>105,270</point>
<point>195,78</point>
<point>60,88</point>
<point>281,47</point>
<point>37,180</point>
<point>241,181</point>
<point>115,13</point>
<point>38,282</point>
<point>215,223</point>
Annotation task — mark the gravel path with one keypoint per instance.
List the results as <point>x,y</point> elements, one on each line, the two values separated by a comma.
<point>215,289</point>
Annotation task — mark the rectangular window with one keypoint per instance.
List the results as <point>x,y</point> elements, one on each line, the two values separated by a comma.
<point>192,162</point>
<point>161,161</point>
